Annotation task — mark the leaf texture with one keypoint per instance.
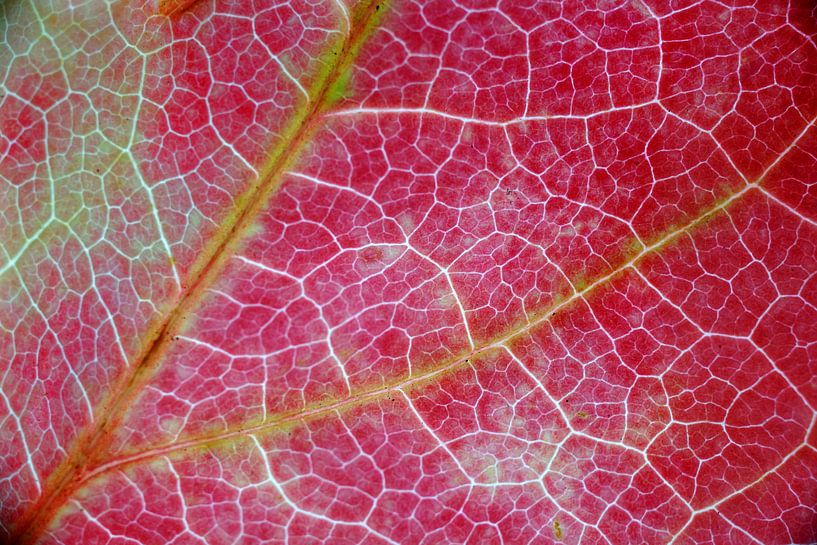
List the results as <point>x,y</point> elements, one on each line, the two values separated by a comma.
<point>408,272</point>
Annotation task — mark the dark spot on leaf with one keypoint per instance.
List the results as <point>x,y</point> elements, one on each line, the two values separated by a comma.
<point>557,530</point>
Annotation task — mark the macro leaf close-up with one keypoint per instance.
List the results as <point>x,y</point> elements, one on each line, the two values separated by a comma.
<point>408,272</point>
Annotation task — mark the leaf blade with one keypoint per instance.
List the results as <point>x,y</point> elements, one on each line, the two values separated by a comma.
<point>438,214</point>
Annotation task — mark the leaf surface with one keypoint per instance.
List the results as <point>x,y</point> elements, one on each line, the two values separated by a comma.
<point>408,272</point>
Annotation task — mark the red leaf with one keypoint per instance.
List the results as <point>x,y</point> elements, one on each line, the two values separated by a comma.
<point>408,272</point>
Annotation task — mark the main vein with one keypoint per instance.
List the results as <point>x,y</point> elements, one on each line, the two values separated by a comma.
<point>90,446</point>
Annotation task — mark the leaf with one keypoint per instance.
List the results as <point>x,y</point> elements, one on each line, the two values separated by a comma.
<point>408,272</point>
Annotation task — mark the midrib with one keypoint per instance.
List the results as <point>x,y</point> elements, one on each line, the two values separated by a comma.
<point>90,445</point>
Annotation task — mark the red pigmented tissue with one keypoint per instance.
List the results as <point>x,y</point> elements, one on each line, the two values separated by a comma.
<point>328,272</point>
